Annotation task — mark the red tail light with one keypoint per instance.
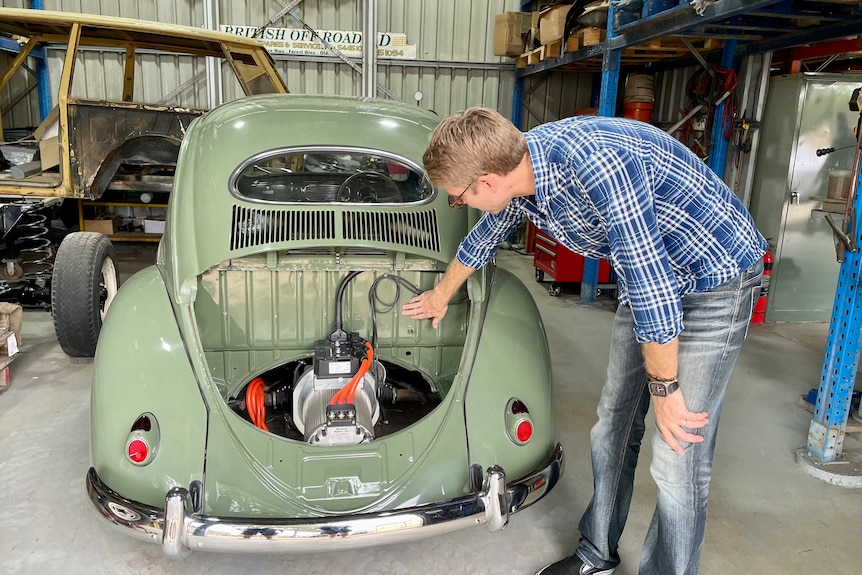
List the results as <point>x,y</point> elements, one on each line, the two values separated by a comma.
<point>142,443</point>
<point>519,422</point>
<point>137,450</point>
<point>524,431</point>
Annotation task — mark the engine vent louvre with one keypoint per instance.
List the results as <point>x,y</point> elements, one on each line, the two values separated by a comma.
<point>414,229</point>
<point>255,226</point>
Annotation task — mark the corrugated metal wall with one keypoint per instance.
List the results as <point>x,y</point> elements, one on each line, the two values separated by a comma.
<point>455,66</point>
<point>671,99</point>
<point>160,78</point>
<point>19,100</point>
<point>549,97</point>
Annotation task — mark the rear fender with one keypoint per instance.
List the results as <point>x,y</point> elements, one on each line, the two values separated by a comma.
<point>141,365</point>
<point>512,361</point>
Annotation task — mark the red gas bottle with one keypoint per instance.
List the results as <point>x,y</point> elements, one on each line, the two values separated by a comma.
<point>760,307</point>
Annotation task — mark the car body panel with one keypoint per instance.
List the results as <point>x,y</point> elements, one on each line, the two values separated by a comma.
<point>511,361</point>
<point>207,166</point>
<point>425,463</point>
<point>147,370</point>
<point>104,137</point>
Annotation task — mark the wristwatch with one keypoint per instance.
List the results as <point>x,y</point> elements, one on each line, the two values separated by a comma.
<point>662,388</point>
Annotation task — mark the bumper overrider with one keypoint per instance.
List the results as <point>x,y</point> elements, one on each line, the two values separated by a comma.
<point>179,530</point>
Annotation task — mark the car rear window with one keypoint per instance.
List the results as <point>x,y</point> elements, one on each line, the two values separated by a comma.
<point>331,176</point>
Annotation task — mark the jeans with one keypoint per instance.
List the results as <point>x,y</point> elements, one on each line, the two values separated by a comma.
<point>716,323</point>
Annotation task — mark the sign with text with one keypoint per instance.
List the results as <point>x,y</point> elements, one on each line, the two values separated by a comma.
<point>302,42</point>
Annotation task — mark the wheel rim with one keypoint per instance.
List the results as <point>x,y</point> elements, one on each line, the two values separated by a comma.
<point>108,286</point>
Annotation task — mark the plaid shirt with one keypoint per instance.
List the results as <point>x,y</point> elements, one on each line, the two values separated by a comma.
<point>627,192</point>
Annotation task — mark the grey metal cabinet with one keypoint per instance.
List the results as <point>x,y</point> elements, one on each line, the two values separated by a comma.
<point>803,113</point>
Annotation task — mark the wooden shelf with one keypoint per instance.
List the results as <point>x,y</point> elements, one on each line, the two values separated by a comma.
<point>121,236</point>
<point>135,237</point>
<point>758,25</point>
<point>123,204</point>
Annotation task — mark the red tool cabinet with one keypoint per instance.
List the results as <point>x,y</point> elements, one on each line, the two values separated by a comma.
<point>564,265</point>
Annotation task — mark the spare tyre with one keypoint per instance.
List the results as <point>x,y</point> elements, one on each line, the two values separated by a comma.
<point>84,282</point>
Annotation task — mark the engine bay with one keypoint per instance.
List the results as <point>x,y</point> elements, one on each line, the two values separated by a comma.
<point>293,401</point>
<point>341,393</point>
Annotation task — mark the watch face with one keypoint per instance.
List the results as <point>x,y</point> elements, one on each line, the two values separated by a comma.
<point>658,389</point>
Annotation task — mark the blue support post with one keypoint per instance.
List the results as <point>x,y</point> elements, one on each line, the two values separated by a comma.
<point>517,118</point>
<point>518,95</point>
<point>607,107</point>
<point>43,78</point>
<point>825,443</point>
<point>517,114</point>
<point>44,88</point>
<point>719,139</point>
<point>518,103</point>
<point>841,360</point>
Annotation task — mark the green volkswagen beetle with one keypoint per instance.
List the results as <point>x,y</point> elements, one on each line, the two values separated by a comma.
<point>258,390</point>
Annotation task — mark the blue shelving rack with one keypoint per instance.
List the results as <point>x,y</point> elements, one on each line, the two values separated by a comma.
<point>823,455</point>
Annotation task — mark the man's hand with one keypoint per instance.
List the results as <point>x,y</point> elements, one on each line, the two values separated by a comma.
<point>427,305</point>
<point>433,304</point>
<point>673,419</point>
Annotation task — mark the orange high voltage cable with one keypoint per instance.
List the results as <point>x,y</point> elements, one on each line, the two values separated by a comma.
<point>254,403</point>
<point>366,363</point>
<point>347,393</point>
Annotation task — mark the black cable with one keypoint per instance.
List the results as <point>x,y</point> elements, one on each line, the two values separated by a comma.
<point>386,307</point>
<point>339,334</point>
<point>374,299</point>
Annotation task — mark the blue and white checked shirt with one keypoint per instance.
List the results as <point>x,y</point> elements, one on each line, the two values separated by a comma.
<point>627,192</point>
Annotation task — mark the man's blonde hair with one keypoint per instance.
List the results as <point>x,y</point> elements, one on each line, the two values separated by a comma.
<point>471,143</point>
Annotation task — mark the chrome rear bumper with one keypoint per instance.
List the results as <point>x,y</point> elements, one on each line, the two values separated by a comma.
<point>178,530</point>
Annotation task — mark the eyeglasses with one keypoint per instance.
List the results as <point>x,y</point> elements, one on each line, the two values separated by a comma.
<point>455,201</point>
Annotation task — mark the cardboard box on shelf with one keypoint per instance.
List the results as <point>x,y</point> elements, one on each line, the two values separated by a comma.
<point>552,23</point>
<point>591,36</point>
<point>107,224</point>
<point>154,226</point>
<point>510,28</point>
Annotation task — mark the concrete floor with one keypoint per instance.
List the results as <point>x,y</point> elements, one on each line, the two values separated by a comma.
<point>766,515</point>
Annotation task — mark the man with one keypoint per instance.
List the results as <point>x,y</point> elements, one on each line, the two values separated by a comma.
<point>688,260</point>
